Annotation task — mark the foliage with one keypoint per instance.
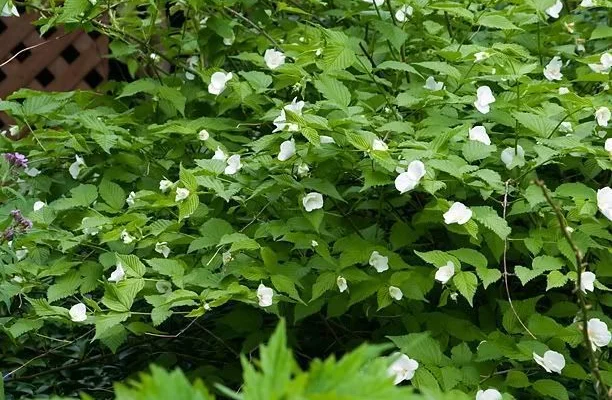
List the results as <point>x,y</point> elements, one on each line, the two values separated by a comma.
<point>320,184</point>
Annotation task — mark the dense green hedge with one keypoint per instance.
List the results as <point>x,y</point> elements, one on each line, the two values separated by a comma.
<point>429,175</point>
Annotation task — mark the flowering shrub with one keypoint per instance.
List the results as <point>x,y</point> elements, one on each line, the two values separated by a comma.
<point>431,175</point>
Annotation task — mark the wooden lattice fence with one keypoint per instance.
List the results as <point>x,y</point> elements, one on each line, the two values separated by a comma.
<point>65,62</point>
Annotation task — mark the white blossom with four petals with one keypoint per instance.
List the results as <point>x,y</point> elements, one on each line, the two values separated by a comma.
<point>608,145</point>
<point>377,2</point>
<point>264,295</point>
<point>181,194</point>
<point>604,201</point>
<point>78,312</point>
<point>445,272</point>
<point>218,81</point>
<point>587,3</point>
<point>513,157</point>
<point>287,150</point>
<point>431,84</point>
<point>598,332</point>
<point>587,281</point>
<point>563,90</point>
<point>402,369</point>
<point>379,145</point>
<point>126,237</point>
<point>602,115</point>
<point>478,133</point>
<point>395,293</point>
<point>326,139</point>
<point>131,199</point>
<point>274,58</point>
<point>75,167</point>
<point>39,205</point>
<point>165,185</point>
<point>551,361</point>
<point>554,10</point>
<point>281,121</point>
<point>233,165</point>
<point>118,274</point>
<point>312,201</point>
<point>409,179</point>
<point>458,213</point>
<point>566,127</point>
<point>481,56</point>
<point>403,13</point>
<point>379,262</point>
<point>489,394</point>
<point>552,71</point>
<point>341,283</point>
<point>219,154</point>
<point>203,135</point>
<point>484,98</point>
<point>162,248</point>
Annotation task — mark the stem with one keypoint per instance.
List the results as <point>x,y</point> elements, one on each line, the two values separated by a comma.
<point>600,386</point>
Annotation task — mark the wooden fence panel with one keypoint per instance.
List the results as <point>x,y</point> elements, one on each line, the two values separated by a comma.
<point>63,61</point>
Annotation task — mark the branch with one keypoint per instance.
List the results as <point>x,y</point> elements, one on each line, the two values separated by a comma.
<point>600,386</point>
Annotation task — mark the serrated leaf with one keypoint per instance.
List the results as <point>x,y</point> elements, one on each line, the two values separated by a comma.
<point>188,206</point>
<point>112,194</point>
<point>334,91</point>
<point>496,21</point>
<point>64,286</point>
<point>551,388</point>
<point>466,283</point>
<point>326,281</point>
<point>488,276</point>
<point>22,326</point>
<point>555,279</point>
<point>488,217</point>
<point>132,265</point>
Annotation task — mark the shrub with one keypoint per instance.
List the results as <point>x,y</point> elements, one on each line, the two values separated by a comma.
<point>429,174</point>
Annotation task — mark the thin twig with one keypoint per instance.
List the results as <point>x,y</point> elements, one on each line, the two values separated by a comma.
<point>173,336</point>
<point>505,265</point>
<point>30,48</point>
<point>46,353</point>
<point>600,386</point>
<point>254,25</point>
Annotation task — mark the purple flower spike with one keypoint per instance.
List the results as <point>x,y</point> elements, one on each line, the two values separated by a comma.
<point>16,159</point>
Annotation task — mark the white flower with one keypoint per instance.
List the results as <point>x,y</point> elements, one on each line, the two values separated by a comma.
<point>587,3</point>
<point>395,293</point>
<point>606,60</point>
<point>126,237</point>
<point>264,295</point>
<point>130,199</point>
<point>181,194</point>
<point>377,2</point>
<point>318,52</point>
<point>273,58</point>
<point>118,274</point>
<point>203,135</point>
<point>76,166</point>
<point>602,115</point>
<point>563,90</point>
<point>233,165</point>
<point>312,201</point>
<point>379,262</point>
<point>78,312</point>
<point>228,41</point>
<point>219,154</point>
<point>599,335</point>
<point>326,139</point>
<point>281,121</point>
<point>551,362</point>
<point>32,172</point>
<point>454,296</point>
<point>445,272</point>
<point>154,57</point>
<point>587,281</point>
<point>192,63</point>
<point>403,368</point>
<point>512,155</point>
<point>9,10</point>
<point>555,9</point>
<point>598,68</point>
<point>566,127</point>
<point>17,279</point>
<point>342,285</point>
<point>227,257</point>
<point>379,145</point>
<point>165,185</point>
<point>303,170</point>
<point>409,179</point>
<point>218,80</point>
<point>481,55</point>
<point>314,243</point>
<point>403,12</point>
<point>162,248</point>
<point>552,71</point>
<point>484,97</point>
<point>38,205</point>
<point>608,145</point>
<point>431,84</point>
<point>604,201</point>
<point>21,253</point>
<point>287,150</point>
<point>489,394</point>
<point>479,134</point>
<point>458,213</point>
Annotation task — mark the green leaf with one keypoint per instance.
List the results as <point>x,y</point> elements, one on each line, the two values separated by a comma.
<point>551,388</point>
<point>105,322</point>
<point>173,96</point>
<point>441,67</point>
<point>239,241</point>
<point>471,257</point>
<point>438,258</point>
<point>466,283</point>
<point>325,282</point>
<point>488,276</point>
<point>555,279</point>
<point>132,265</point>
<point>84,195</point>
<point>64,286</point>
<point>112,194</point>
<point>488,217</point>
<point>395,35</point>
<point>473,150</point>
<point>23,325</point>
<point>188,206</point>
<point>421,346</point>
<point>334,91</point>
<point>212,231</point>
<point>496,22</point>
<point>337,55</point>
